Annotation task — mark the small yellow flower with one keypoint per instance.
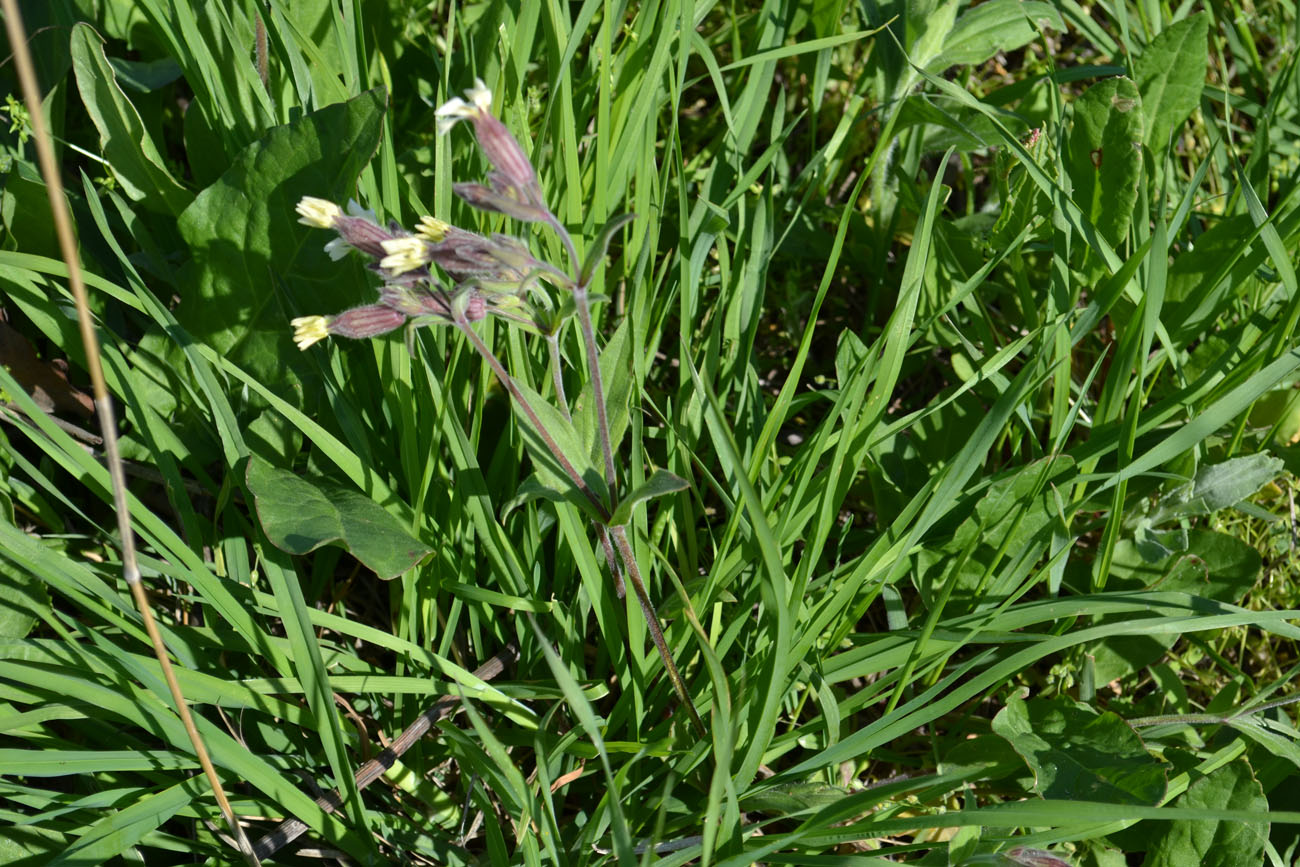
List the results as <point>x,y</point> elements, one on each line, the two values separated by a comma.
<point>404,254</point>
<point>318,212</point>
<point>309,329</point>
<point>432,229</point>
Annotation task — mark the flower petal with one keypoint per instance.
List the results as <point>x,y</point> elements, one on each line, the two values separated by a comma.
<point>319,213</point>
<point>309,329</point>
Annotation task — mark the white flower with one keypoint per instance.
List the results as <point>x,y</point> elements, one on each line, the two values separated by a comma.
<point>457,109</point>
<point>318,212</point>
<point>404,254</point>
<point>309,329</point>
<point>355,210</point>
<point>480,95</point>
<point>337,249</point>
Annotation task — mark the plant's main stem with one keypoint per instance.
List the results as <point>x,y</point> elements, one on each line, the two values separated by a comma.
<point>508,381</point>
<point>652,620</point>
<point>598,387</point>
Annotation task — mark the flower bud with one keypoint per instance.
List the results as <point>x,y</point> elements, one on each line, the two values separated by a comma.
<point>503,198</point>
<point>369,321</point>
<point>501,149</point>
<point>1027,857</point>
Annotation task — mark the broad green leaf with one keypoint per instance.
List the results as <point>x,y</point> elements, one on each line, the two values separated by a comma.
<point>983,757</point>
<point>126,144</point>
<point>1217,487</point>
<point>929,22</point>
<point>1170,75</point>
<point>1078,754</point>
<point>300,515</point>
<point>1209,566</point>
<point>994,27</point>
<point>661,484</point>
<point>1105,155</point>
<point>248,247</point>
<point>145,76</point>
<point>1211,843</point>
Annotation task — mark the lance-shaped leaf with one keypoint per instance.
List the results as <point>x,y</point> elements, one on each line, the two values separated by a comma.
<point>600,246</point>
<point>127,147</point>
<point>660,484</point>
<point>1105,155</point>
<point>1219,486</point>
<point>555,443</point>
<point>1170,75</point>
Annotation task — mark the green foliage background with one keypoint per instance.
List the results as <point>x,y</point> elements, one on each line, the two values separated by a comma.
<point>973,329</point>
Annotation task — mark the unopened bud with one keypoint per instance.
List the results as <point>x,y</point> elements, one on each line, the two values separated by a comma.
<point>369,321</point>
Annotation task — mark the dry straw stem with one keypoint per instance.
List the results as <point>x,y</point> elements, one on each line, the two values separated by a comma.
<point>107,424</point>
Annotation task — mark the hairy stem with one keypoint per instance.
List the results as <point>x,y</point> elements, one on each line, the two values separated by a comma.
<point>557,374</point>
<point>652,620</point>
<point>509,382</point>
<point>555,224</point>
<point>598,388</point>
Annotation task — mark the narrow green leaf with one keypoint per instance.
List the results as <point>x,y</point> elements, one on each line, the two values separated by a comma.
<point>600,246</point>
<point>661,484</point>
<point>111,835</point>
<point>562,432</point>
<point>24,598</point>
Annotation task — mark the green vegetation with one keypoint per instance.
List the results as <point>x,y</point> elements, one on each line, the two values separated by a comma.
<point>949,369</point>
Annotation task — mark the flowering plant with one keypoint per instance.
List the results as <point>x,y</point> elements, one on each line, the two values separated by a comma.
<point>441,274</point>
